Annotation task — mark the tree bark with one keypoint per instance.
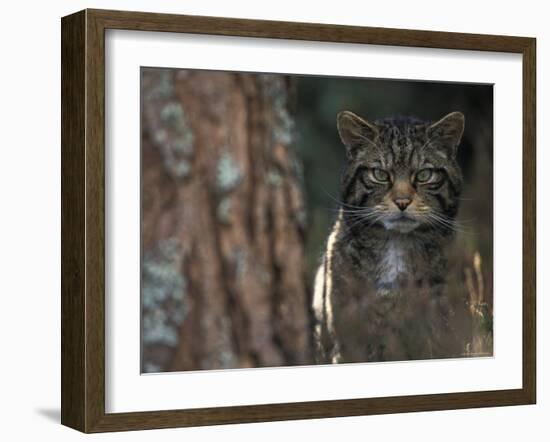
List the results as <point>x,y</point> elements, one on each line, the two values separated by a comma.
<point>223,272</point>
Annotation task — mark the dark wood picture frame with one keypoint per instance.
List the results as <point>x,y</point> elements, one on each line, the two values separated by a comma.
<point>83,220</point>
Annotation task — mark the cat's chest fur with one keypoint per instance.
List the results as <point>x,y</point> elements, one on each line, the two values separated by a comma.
<point>395,263</point>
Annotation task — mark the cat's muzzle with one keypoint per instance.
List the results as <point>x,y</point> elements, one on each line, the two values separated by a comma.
<point>401,222</point>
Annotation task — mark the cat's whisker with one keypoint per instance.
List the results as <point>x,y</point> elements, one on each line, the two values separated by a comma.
<point>366,265</point>
<point>341,203</point>
<point>364,220</point>
<point>340,209</point>
<point>358,220</point>
<point>363,210</point>
<point>447,219</point>
<point>443,221</point>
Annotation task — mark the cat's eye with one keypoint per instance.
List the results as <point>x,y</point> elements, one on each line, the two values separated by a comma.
<point>424,175</point>
<point>380,175</point>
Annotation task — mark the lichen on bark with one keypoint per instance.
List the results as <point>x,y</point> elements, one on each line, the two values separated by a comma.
<point>234,212</point>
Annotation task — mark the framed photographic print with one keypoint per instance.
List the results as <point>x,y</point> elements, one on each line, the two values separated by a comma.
<point>269,220</point>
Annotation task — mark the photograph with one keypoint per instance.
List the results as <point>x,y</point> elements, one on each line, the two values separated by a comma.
<point>293,220</point>
<point>270,220</point>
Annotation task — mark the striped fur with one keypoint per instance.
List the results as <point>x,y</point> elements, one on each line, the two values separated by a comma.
<point>322,302</point>
<point>400,193</point>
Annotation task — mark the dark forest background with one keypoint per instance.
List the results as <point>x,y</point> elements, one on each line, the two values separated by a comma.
<point>240,175</point>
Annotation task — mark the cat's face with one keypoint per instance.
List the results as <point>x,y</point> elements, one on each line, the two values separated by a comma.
<point>402,174</point>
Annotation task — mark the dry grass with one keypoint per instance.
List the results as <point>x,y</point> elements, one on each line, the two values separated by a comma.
<point>481,340</point>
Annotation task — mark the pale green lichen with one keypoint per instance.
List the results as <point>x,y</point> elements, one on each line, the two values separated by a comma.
<point>172,113</point>
<point>221,354</point>
<point>161,81</point>
<point>301,217</point>
<point>150,367</point>
<point>184,142</point>
<point>163,289</point>
<point>157,329</point>
<point>223,211</point>
<point>227,359</point>
<point>175,139</point>
<point>160,136</point>
<point>274,178</point>
<point>276,91</point>
<point>298,169</point>
<point>284,131</point>
<point>228,173</point>
<point>180,169</point>
<point>240,262</point>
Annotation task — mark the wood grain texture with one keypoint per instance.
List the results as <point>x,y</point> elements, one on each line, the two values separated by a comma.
<point>95,222</point>
<point>144,21</point>
<point>73,391</point>
<point>83,219</point>
<point>529,221</point>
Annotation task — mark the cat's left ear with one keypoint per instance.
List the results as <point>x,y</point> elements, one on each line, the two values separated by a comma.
<point>447,133</point>
<point>355,132</point>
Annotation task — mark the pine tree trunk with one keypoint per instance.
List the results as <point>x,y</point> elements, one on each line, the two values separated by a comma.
<point>223,276</point>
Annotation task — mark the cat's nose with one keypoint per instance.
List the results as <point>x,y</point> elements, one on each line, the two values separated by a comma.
<point>402,203</point>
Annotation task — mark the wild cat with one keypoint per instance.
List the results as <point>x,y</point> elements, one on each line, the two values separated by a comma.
<point>379,292</point>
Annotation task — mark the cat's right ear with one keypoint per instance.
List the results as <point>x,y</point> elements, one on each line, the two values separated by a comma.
<point>355,132</point>
<point>447,132</point>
